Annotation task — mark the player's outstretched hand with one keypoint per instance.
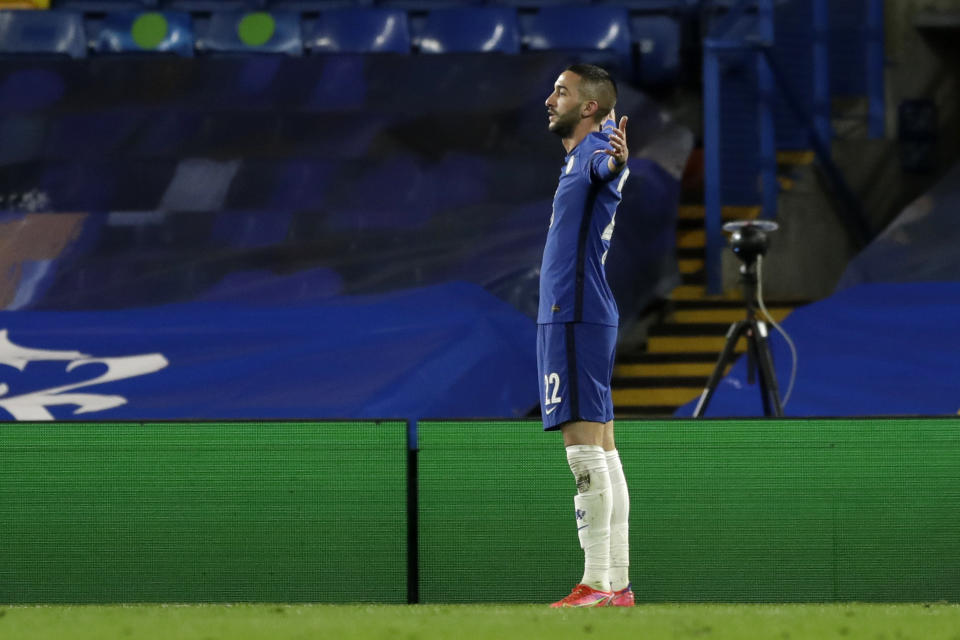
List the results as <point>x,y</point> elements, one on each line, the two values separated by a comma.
<point>618,151</point>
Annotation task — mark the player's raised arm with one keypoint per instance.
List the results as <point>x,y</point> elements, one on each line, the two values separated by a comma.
<point>618,150</point>
<point>609,163</point>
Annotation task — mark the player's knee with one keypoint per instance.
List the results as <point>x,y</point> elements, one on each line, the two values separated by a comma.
<point>583,433</point>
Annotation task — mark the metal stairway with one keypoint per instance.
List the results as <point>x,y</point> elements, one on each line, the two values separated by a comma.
<point>683,346</point>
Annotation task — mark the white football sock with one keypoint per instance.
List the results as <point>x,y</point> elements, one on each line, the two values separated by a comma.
<point>619,524</point>
<point>592,507</point>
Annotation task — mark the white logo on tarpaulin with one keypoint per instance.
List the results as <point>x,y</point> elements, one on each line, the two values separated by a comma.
<point>33,405</point>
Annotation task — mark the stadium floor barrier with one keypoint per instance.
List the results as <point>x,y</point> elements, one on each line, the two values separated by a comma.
<point>756,510</point>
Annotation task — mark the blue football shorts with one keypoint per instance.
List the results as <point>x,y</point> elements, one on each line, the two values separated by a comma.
<point>575,363</point>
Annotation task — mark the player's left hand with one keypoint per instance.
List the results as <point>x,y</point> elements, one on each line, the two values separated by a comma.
<point>618,151</point>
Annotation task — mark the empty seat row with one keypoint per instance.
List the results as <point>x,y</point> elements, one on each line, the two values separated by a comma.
<point>670,6</point>
<point>486,29</point>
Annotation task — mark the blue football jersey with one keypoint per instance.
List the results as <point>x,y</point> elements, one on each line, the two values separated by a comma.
<point>573,283</point>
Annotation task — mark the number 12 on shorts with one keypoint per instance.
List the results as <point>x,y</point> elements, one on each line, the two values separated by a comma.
<point>551,395</point>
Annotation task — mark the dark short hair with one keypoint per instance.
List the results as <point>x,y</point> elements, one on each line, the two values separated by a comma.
<point>596,84</point>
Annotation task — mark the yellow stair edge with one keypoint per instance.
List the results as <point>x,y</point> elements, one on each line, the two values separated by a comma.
<point>660,396</point>
<point>699,292</point>
<point>664,370</point>
<point>690,265</point>
<point>691,344</point>
<point>796,157</point>
<point>693,239</point>
<point>688,292</point>
<point>697,316</point>
<point>728,212</point>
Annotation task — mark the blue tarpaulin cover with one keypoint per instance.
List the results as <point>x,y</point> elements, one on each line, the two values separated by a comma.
<point>450,349</point>
<point>874,349</point>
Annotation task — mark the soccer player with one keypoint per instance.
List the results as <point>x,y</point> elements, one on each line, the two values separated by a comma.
<point>577,325</point>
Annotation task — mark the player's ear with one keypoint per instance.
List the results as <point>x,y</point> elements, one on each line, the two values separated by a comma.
<point>590,108</point>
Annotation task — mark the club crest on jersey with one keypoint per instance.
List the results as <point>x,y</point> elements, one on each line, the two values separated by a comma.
<point>34,405</point>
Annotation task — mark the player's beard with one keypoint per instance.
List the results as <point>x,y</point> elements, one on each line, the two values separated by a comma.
<point>565,123</point>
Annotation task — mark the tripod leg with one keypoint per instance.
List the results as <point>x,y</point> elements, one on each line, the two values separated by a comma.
<point>768,377</point>
<point>753,348</point>
<point>733,336</point>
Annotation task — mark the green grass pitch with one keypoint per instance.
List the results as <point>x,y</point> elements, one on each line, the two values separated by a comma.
<point>466,622</point>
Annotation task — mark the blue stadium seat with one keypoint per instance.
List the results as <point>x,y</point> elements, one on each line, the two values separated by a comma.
<point>313,6</point>
<point>276,32</point>
<point>358,30</point>
<point>655,6</point>
<point>658,40</point>
<point>213,6</point>
<point>426,5</point>
<point>102,6</point>
<point>34,33</point>
<point>469,29</point>
<point>598,34</point>
<point>144,32</point>
<point>536,4</point>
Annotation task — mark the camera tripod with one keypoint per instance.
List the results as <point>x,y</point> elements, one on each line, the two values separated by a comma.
<point>759,359</point>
